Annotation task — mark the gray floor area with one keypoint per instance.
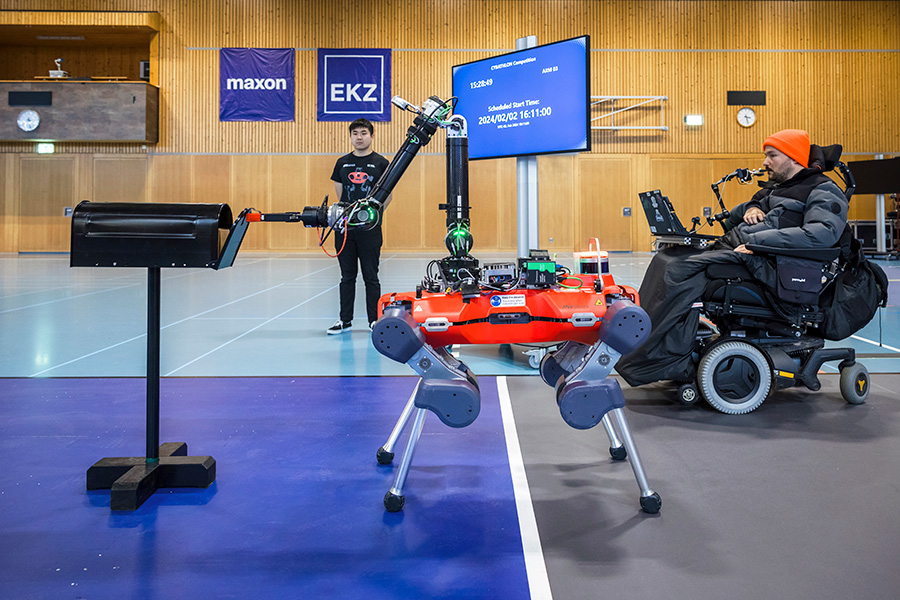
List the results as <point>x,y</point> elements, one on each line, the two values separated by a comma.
<point>794,500</point>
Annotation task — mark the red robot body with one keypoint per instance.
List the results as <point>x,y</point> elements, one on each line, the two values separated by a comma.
<point>521,316</point>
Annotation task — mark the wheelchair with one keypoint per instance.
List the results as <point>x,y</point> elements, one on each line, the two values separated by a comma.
<point>751,344</point>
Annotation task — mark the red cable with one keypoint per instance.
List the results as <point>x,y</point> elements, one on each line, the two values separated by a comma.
<point>321,242</point>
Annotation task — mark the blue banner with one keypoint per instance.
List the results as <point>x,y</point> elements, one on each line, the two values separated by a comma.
<point>353,83</point>
<point>256,84</point>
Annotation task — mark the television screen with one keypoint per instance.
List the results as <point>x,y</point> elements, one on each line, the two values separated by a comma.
<point>533,101</point>
<point>875,176</point>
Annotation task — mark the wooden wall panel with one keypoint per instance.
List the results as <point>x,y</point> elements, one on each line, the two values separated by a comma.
<point>317,182</point>
<point>556,183</point>
<point>171,178</point>
<point>434,192</point>
<point>506,198</point>
<point>9,217</point>
<point>830,67</point>
<point>605,184</point>
<point>403,221</point>
<point>692,52</point>
<point>119,179</point>
<point>686,183</point>
<point>48,185</point>
<point>289,177</point>
<point>250,188</point>
<point>211,180</point>
<point>486,213</point>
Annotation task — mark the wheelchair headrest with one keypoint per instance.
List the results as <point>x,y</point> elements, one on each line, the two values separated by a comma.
<point>824,158</point>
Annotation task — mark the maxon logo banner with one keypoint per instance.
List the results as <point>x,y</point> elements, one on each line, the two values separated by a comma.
<point>256,84</point>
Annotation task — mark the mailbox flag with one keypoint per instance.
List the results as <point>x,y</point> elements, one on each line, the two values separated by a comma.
<point>256,84</point>
<point>353,83</point>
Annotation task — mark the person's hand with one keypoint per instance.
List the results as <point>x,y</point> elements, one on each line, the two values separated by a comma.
<point>754,215</point>
<point>743,249</point>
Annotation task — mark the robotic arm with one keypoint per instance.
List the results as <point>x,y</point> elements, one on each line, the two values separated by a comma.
<point>429,118</point>
<point>744,177</point>
<point>366,213</point>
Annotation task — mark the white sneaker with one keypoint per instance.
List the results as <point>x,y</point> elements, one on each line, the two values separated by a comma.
<point>338,327</point>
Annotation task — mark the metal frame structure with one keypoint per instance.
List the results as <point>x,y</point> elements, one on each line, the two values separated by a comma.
<point>598,100</point>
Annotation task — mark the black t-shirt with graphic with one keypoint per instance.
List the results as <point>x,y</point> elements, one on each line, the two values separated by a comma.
<point>358,175</point>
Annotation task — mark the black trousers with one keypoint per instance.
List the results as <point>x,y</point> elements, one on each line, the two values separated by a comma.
<point>673,283</point>
<point>362,250</point>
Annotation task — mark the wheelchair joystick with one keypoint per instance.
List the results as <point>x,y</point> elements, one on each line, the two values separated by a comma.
<point>695,221</point>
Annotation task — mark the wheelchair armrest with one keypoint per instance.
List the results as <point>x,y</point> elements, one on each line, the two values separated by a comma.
<point>822,255</point>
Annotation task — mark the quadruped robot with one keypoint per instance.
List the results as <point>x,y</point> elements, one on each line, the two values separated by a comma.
<point>530,300</point>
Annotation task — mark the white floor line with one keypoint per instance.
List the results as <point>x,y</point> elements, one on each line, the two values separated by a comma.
<point>114,289</point>
<point>63,287</point>
<point>314,272</point>
<point>535,568</point>
<point>137,337</point>
<point>862,339</point>
<point>69,362</point>
<point>67,298</point>
<point>249,331</point>
<point>95,352</point>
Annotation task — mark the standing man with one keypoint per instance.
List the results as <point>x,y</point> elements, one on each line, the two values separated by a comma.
<point>353,176</point>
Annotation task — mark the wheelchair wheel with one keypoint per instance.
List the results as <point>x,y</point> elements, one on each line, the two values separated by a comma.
<point>734,377</point>
<point>688,395</point>
<point>855,383</point>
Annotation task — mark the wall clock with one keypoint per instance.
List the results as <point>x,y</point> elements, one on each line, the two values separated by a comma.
<point>28,120</point>
<point>746,116</point>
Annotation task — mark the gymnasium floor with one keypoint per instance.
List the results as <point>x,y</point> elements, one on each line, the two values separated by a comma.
<point>791,501</point>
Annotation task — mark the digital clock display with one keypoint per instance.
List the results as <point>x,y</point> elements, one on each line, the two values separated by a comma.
<point>533,101</point>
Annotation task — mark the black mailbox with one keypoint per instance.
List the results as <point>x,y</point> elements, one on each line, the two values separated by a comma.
<point>118,234</point>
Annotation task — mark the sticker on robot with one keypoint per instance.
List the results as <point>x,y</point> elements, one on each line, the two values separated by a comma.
<point>510,300</point>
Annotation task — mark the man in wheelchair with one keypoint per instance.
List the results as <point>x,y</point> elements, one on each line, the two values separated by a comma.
<point>762,287</point>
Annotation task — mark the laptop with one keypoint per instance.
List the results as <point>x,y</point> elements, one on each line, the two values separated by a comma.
<point>664,222</point>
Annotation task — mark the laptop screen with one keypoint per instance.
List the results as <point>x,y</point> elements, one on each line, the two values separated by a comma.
<point>660,215</point>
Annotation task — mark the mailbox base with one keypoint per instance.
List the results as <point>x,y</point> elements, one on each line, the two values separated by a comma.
<point>131,480</point>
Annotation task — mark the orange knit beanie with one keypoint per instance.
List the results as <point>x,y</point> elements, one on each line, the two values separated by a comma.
<point>793,142</point>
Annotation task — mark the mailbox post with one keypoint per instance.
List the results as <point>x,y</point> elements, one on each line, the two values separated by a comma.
<point>153,236</point>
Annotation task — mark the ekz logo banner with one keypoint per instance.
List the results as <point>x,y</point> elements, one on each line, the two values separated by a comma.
<point>256,84</point>
<point>354,82</point>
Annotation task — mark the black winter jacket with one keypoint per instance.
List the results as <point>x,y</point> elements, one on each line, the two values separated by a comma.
<point>807,211</point>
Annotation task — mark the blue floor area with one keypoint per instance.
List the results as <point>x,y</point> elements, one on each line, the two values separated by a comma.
<point>878,343</point>
<point>296,511</point>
